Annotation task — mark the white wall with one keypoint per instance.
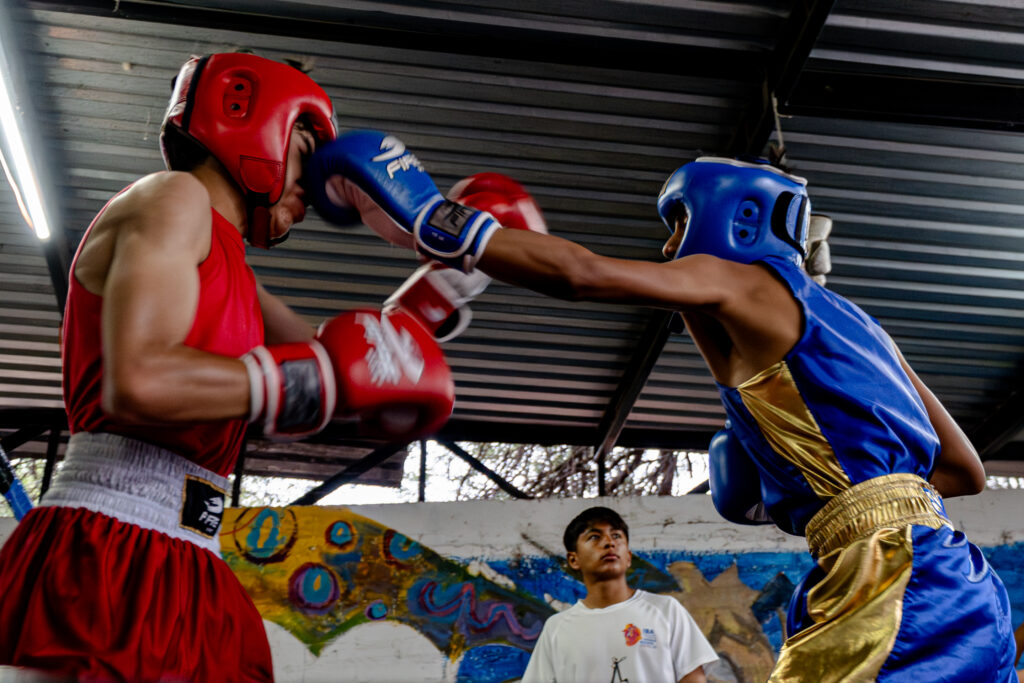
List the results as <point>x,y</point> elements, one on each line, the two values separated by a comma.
<point>480,528</point>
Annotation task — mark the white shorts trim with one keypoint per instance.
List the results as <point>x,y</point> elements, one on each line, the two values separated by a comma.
<point>141,484</point>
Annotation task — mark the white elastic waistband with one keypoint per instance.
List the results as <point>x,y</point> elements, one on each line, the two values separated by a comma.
<point>141,484</point>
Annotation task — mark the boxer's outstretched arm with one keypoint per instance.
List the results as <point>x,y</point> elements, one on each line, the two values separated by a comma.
<point>958,471</point>
<point>757,313</point>
<point>564,269</point>
<point>161,230</point>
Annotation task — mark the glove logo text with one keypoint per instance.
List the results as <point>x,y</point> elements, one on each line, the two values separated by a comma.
<point>393,152</point>
<point>393,355</point>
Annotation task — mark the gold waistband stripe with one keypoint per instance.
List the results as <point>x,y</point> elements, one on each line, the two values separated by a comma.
<point>890,501</point>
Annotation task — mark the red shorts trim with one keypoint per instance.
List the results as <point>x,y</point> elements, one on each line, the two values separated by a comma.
<point>85,595</point>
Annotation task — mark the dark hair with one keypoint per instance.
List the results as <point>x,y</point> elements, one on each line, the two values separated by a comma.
<point>588,517</point>
<point>183,153</point>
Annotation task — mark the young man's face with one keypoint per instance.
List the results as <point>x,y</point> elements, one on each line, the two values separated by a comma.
<point>672,245</point>
<point>291,207</point>
<point>602,553</point>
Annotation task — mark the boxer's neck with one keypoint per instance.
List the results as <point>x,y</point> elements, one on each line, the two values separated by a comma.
<point>225,197</point>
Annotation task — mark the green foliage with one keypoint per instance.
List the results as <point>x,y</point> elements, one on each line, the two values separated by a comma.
<point>30,472</point>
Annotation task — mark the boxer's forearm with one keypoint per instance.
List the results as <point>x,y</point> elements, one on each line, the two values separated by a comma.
<point>181,384</point>
<point>544,263</point>
<point>561,268</point>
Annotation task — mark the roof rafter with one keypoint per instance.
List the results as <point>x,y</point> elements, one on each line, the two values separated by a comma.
<point>438,30</point>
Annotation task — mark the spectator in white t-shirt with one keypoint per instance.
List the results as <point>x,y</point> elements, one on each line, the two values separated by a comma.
<point>615,633</point>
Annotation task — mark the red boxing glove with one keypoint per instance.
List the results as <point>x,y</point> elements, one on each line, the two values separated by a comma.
<point>502,197</point>
<point>291,389</point>
<point>439,296</point>
<point>390,373</point>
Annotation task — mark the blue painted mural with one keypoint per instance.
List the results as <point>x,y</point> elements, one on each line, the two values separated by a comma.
<point>739,600</point>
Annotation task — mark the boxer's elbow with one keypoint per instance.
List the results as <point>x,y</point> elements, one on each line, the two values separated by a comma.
<point>976,478</point>
<point>132,397</point>
<point>958,479</point>
<point>976,481</point>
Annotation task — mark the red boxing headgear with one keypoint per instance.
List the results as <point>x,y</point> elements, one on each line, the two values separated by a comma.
<point>241,109</point>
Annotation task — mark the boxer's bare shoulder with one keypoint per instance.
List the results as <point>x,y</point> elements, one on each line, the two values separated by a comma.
<point>166,210</point>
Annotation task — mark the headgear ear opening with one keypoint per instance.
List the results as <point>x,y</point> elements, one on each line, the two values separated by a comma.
<point>781,217</point>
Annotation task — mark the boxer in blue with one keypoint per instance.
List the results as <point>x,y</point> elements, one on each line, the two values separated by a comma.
<point>830,434</point>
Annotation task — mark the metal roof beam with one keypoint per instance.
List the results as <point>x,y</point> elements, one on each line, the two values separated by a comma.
<point>52,444</point>
<point>21,436</point>
<point>58,260</point>
<point>633,380</point>
<point>1000,427</point>
<point>18,418</point>
<point>906,99</point>
<point>439,31</point>
<point>796,39</point>
<point>349,474</point>
<point>38,181</point>
<point>488,431</point>
<point>502,483</point>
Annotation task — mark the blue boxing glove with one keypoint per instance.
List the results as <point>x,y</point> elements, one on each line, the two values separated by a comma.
<point>735,481</point>
<point>369,176</point>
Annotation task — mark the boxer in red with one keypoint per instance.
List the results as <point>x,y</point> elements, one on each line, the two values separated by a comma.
<point>170,349</point>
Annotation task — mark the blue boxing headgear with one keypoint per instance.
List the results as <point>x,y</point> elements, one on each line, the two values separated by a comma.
<point>738,210</point>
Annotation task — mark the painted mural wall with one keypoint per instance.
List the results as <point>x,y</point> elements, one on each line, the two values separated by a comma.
<point>458,592</point>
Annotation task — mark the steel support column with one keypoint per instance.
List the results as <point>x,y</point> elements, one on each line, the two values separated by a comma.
<point>485,470</point>
<point>350,473</point>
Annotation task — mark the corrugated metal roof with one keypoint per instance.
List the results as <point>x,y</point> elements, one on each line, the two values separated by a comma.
<point>590,105</point>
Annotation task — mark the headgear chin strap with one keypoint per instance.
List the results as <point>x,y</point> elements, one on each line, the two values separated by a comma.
<point>241,109</point>
<point>737,210</point>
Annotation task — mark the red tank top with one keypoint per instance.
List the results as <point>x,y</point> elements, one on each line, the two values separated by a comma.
<point>228,322</point>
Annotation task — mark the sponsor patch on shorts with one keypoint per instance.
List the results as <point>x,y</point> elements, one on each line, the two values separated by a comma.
<point>202,507</point>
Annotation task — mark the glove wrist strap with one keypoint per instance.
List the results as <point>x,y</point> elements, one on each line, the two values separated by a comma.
<point>452,233</point>
<point>292,388</point>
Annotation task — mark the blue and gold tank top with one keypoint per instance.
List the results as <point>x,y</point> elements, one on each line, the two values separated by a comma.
<point>836,411</point>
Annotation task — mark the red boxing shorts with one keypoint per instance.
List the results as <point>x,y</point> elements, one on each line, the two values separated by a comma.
<point>88,596</point>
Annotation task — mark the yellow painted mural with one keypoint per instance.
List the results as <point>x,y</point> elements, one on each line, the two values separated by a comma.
<point>319,571</point>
